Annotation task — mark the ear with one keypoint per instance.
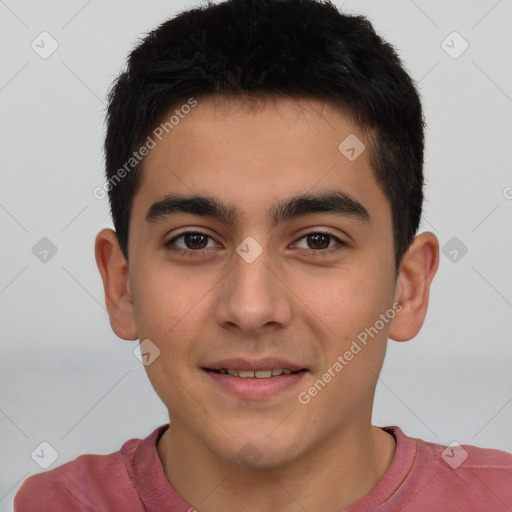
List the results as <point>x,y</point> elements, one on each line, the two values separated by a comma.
<point>114,274</point>
<point>417,270</point>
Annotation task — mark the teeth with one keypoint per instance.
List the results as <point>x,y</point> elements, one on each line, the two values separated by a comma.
<point>259,374</point>
<point>263,374</point>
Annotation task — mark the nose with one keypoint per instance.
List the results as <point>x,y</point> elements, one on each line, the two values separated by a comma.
<point>254,298</point>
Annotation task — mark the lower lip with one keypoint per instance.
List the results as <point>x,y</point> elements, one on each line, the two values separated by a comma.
<point>254,388</point>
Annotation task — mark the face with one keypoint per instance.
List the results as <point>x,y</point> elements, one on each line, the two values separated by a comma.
<point>259,286</point>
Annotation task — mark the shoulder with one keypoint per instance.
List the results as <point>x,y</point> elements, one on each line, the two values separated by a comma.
<point>462,458</point>
<point>90,482</point>
<point>466,475</point>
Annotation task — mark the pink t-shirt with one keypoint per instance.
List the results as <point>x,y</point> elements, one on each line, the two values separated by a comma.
<point>423,477</point>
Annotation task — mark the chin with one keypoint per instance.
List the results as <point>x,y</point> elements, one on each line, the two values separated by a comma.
<point>260,450</point>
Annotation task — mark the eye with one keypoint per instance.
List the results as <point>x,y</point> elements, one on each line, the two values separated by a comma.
<point>196,241</point>
<point>319,239</point>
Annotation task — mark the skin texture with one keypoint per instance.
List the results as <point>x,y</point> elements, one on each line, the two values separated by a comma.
<point>287,303</point>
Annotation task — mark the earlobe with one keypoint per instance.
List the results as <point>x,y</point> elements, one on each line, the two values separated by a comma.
<point>417,271</point>
<point>114,274</point>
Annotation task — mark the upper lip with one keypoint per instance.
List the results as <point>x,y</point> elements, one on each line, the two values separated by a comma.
<point>267,363</point>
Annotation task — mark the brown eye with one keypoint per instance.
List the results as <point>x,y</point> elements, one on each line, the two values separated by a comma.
<point>319,239</point>
<point>194,241</point>
<point>318,244</point>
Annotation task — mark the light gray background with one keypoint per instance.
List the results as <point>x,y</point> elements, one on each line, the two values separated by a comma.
<point>68,380</point>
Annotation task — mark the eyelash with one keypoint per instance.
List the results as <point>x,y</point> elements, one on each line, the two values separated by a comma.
<point>312,252</point>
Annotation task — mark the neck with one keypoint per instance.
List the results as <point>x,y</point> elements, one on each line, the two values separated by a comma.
<point>331,477</point>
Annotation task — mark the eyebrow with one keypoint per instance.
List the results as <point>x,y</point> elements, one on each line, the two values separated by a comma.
<point>335,201</point>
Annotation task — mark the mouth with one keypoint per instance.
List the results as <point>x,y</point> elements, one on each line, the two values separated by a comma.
<point>257,374</point>
<point>254,380</point>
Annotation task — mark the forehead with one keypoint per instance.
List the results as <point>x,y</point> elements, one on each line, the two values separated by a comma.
<point>249,154</point>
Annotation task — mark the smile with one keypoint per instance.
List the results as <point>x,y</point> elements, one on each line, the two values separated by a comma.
<point>258,374</point>
<point>258,384</point>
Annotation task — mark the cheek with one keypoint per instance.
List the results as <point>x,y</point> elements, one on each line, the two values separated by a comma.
<point>343,301</point>
<point>171,307</point>
<point>164,299</point>
<point>349,303</point>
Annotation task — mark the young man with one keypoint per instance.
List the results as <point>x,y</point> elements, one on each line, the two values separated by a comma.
<point>264,165</point>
